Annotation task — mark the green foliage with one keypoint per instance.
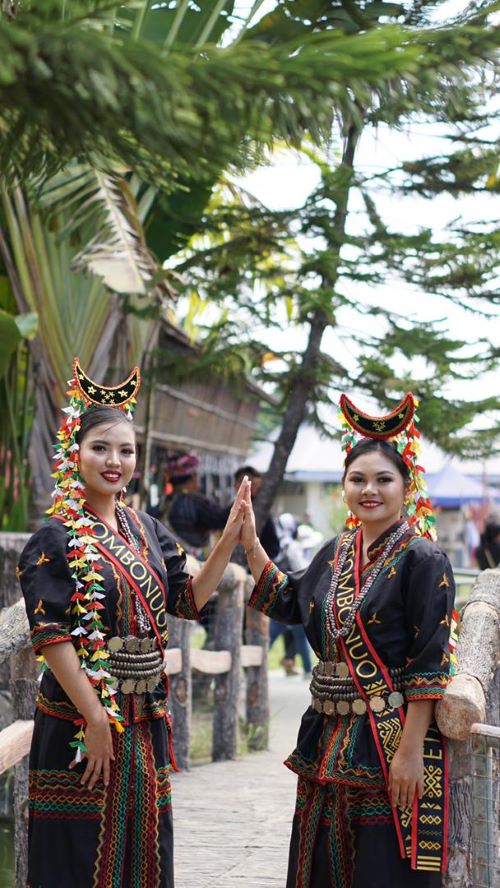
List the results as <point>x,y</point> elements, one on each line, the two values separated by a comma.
<point>15,410</point>
<point>75,86</point>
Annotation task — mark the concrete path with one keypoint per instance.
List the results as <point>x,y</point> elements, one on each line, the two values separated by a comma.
<point>232,820</point>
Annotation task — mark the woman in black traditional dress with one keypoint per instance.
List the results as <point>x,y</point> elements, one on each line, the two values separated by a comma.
<point>376,603</point>
<point>98,580</point>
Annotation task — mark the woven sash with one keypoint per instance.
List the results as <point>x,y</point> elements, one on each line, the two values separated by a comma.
<point>137,572</point>
<point>421,830</point>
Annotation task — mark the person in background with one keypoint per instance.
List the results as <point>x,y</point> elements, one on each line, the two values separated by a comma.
<point>309,538</point>
<point>268,535</point>
<point>488,551</point>
<point>291,558</point>
<point>191,515</point>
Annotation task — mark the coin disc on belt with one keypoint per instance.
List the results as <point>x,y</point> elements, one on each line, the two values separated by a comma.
<point>377,704</point>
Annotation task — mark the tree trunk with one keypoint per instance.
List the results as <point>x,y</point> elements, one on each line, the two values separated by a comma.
<point>307,376</point>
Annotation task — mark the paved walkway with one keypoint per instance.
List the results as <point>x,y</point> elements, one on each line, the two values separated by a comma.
<point>232,820</point>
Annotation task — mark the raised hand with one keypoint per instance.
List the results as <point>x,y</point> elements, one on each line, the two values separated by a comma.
<point>232,531</point>
<point>248,536</point>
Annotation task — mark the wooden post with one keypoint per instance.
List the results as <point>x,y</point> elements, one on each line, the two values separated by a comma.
<point>11,546</point>
<point>257,696</point>
<point>464,702</point>
<point>472,696</point>
<point>181,692</point>
<point>227,637</point>
<point>23,688</point>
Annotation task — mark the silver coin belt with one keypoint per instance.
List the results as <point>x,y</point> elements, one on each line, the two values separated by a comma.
<point>135,664</point>
<point>333,691</point>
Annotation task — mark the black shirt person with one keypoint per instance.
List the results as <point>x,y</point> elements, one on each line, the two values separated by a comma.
<point>268,536</point>
<point>191,515</point>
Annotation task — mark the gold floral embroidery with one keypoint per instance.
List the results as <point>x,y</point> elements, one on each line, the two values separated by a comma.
<point>39,608</point>
<point>43,559</point>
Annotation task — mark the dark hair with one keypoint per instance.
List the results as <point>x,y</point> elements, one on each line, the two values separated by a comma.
<point>179,480</point>
<point>247,470</point>
<point>490,532</point>
<point>98,416</point>
<point>368,445</point>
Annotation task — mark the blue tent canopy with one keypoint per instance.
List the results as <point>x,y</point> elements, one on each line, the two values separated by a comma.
<point>450,489</point>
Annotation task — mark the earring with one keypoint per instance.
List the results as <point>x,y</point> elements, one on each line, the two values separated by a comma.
<point>351,521</point>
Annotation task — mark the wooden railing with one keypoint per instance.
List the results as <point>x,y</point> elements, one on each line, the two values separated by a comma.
<point>472,697</point>
<point>227,661</point>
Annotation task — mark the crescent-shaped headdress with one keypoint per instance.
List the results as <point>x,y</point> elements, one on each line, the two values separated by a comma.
<point>121,395</point>
<point>83,556</point>
<point>398,426</point>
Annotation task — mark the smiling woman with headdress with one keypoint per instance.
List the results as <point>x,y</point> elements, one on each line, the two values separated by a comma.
<point>99,580</point>
<point>376,603</point>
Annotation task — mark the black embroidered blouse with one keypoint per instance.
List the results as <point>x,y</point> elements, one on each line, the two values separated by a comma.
<point>406,614</point>
<point>48,586</point>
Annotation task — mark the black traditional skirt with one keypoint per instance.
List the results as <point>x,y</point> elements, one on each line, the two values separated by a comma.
<point>119,837</point>
<point>345,838</point>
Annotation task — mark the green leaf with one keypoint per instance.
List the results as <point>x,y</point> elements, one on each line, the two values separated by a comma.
<point>10,337</point>
<point>27,324</point>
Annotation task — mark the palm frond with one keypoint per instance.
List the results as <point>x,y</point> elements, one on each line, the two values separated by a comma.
<point>117,251</point>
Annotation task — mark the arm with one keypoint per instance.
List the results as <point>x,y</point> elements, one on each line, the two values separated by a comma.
<point>276,594</point>
<point>48,587</point>
<point>257,556</point>
<point>186,595</point>
<point>64,663</point>
<point>208,578</point>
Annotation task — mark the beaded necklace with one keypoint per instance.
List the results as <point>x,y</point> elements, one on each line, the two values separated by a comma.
<point>343,631</point>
